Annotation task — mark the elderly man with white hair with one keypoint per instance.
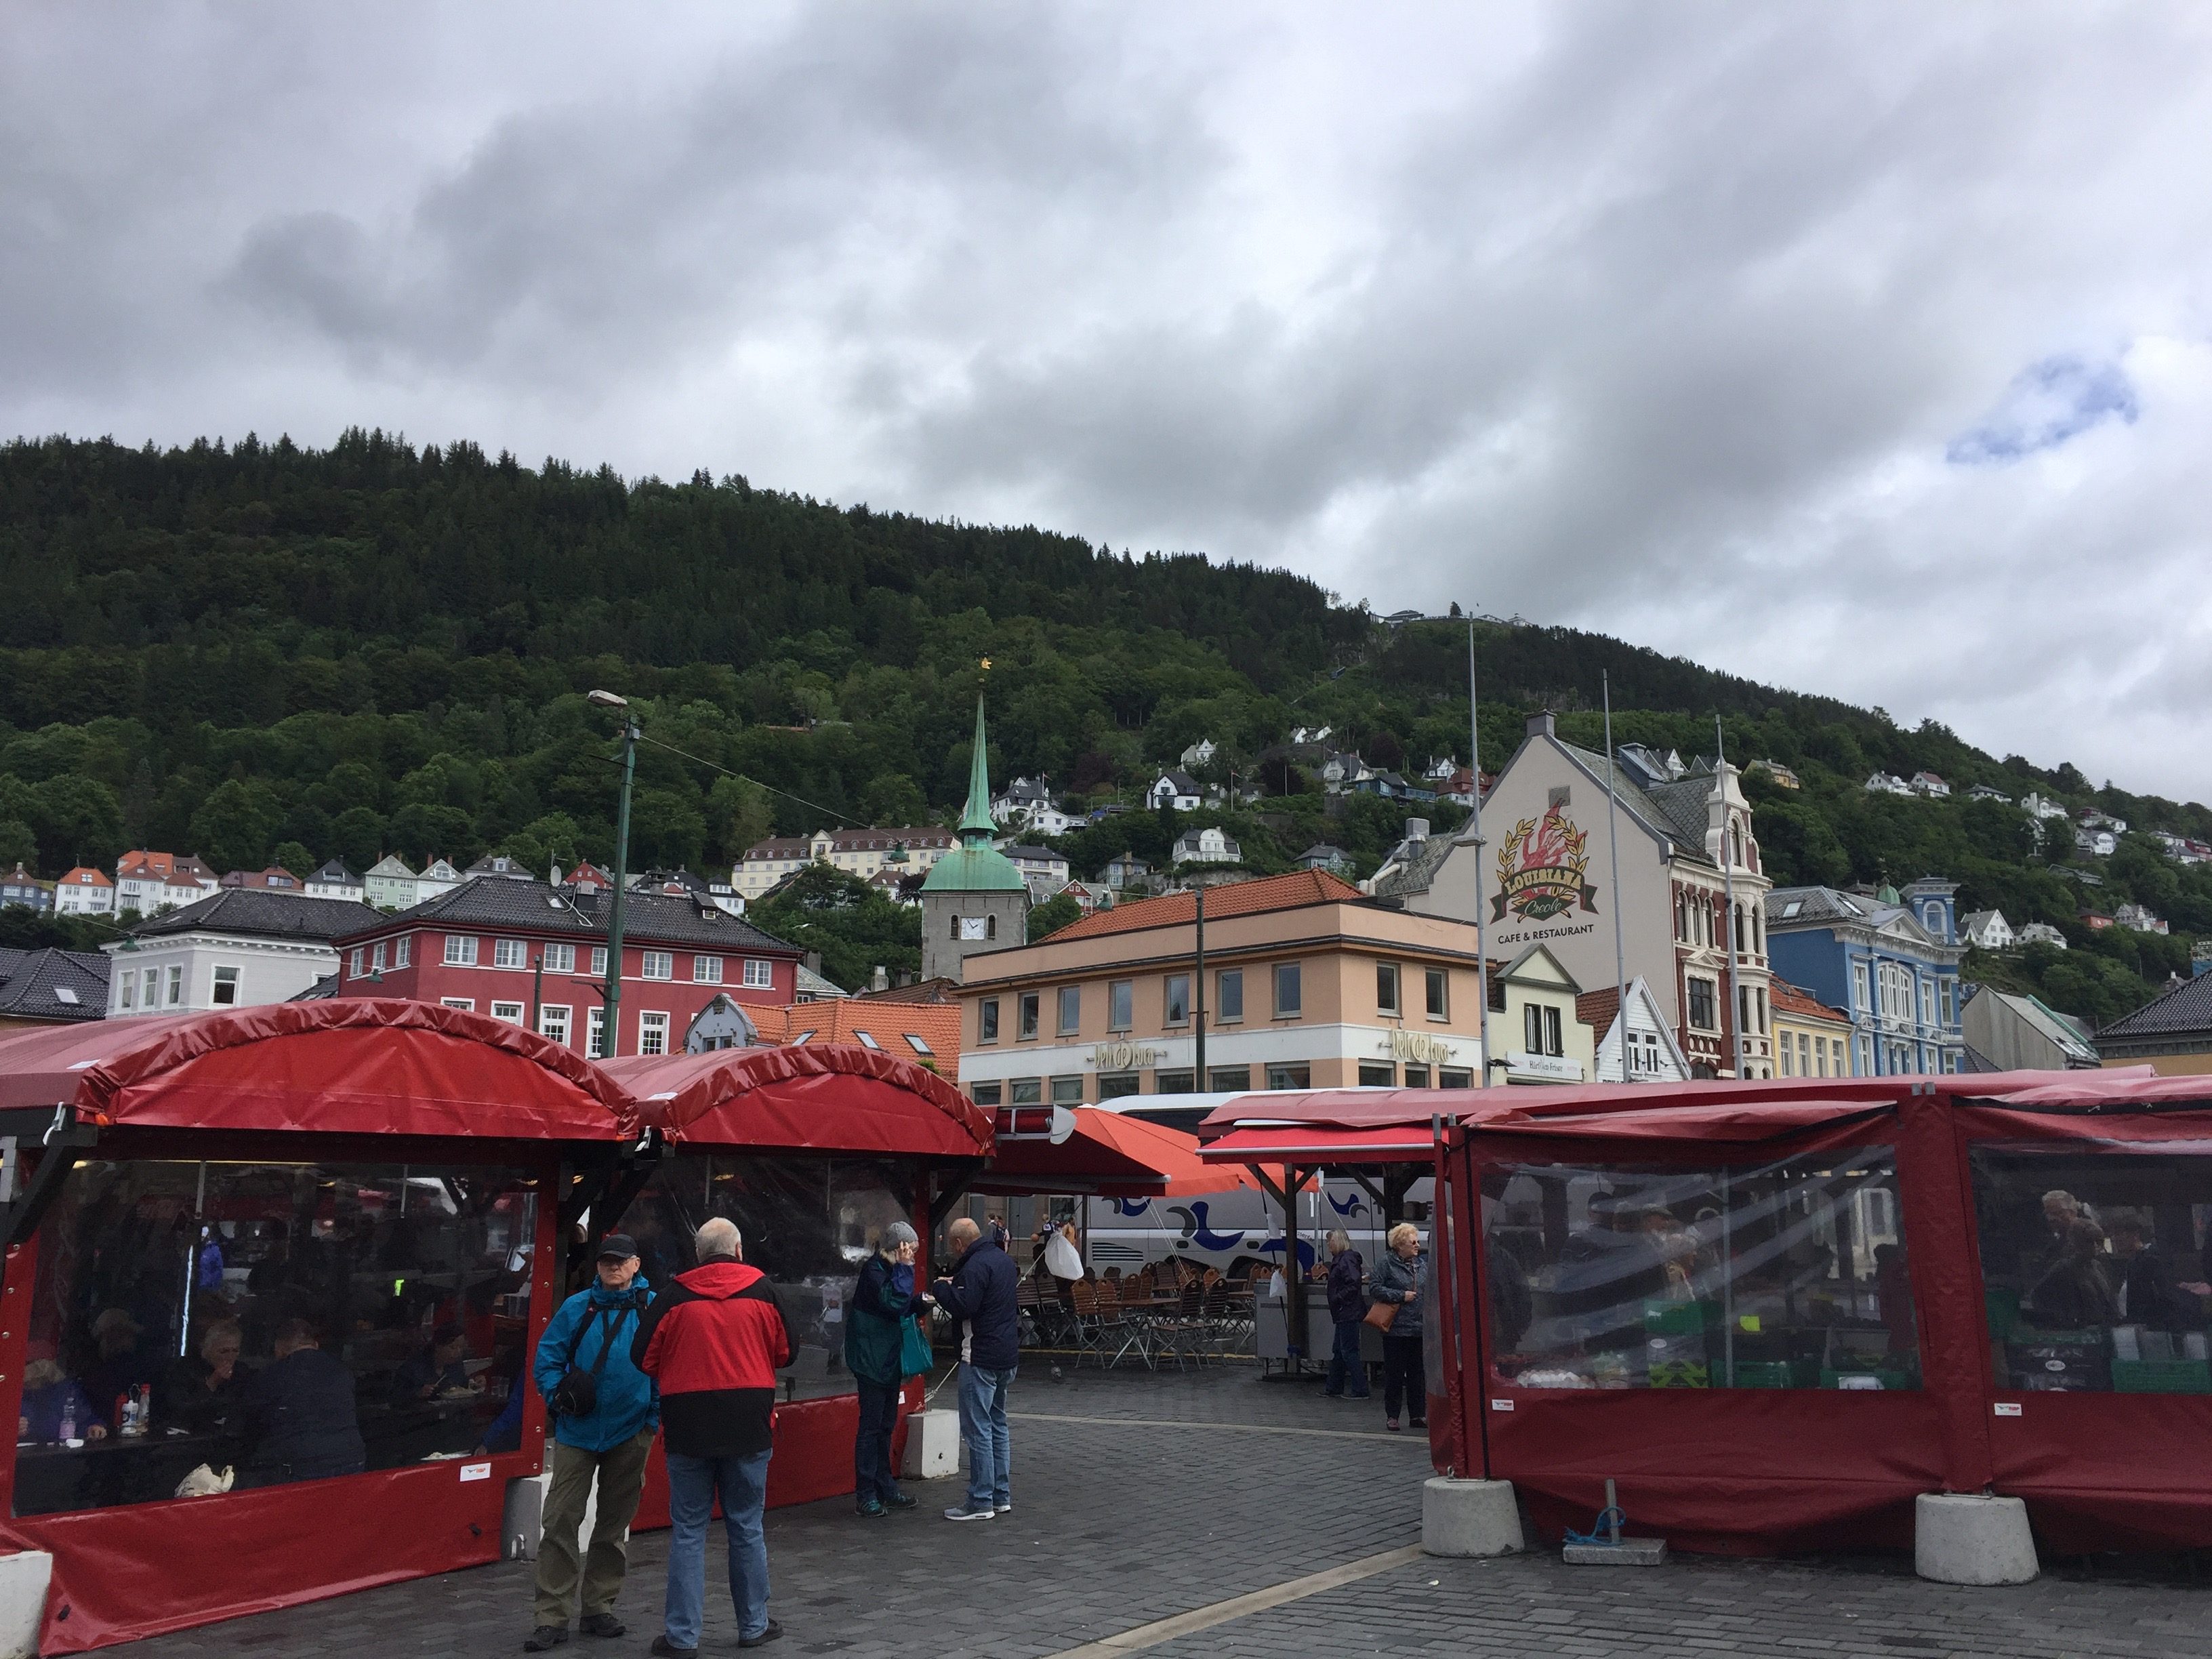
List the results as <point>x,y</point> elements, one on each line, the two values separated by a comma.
<point>714,1340</point>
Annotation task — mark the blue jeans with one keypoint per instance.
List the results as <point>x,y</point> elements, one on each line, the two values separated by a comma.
<point>983,1430</point>
<point>1344,1364</point>
<point>872,1442</point>
<point>693,1484</point>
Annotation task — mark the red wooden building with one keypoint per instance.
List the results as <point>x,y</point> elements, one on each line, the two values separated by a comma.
<point>535,955</point>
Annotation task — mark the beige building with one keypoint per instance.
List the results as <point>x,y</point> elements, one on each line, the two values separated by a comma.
<point>1811,1039</point>
<point>862,853</point>
<point>1545,875</point>
<point>1307,984</point>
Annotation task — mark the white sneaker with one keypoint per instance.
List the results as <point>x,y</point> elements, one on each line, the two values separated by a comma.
<point>1002,1508</point>
<point>962,1512</point>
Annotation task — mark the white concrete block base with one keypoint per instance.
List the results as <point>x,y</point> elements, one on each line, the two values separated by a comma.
<point>1470,1517</point>
<point>1628,1552</point>
<point>24,1577</point>
<point>1958,1539</point>
<point>932,1446</point>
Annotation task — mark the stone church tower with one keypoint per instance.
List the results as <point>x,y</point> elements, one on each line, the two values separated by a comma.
<point>973,899</point>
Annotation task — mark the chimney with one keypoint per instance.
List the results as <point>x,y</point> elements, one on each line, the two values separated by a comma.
<point>814,960</point>
<point>1417,829</point>
<point>881,980</point>
<point>1539,725</point>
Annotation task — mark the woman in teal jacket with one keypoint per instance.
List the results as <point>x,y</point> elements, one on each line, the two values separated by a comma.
<point>879,1327</point>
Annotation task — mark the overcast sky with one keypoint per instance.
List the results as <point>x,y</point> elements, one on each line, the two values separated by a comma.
<point>1864,348</point>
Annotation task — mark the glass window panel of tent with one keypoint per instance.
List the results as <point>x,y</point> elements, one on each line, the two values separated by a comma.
<point>1787,1275</point>
<point>2095,1269</point>
<point>291,1321</point>
<point>808,1224</point>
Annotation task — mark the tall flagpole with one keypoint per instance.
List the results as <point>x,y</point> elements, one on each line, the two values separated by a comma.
<point>1728,877</point>
<point>1474,838</point>
<point>1613,839</point>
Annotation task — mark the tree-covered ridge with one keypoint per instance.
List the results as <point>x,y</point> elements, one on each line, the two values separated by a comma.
<point>261,652</point>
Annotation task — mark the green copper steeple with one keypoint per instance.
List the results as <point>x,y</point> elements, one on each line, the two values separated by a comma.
<point>977,817</point>
<point>976,866</point>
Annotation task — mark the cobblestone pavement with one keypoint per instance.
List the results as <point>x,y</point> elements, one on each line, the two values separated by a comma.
<point>1141,1498</point>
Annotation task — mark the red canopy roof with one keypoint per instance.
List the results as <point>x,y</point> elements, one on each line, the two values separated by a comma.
<point>346,1066</point>
<point>826,1096</point>
<point>1398,1144</point>
<point>2114,1090</point>
<point>1109,1156</point>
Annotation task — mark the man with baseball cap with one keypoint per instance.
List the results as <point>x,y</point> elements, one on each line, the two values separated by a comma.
<point>605,1412</point>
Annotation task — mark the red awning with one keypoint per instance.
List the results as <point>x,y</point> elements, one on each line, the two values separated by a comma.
<point>835,1097</point>
<point>1716,1121</point>
<point>2114,1090</point>
<point>1107,1155</point>
<point>345,1065</point>
<point>1271,1144</point>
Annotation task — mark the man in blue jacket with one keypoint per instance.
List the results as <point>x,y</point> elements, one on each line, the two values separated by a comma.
<point>586,1352</point>
<point>979,1295</point>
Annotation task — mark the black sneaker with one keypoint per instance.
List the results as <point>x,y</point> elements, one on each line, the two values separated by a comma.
<point>601,1624</point>
<point>545,1638</point>
<point>869,1507</point>
<point>769,1634</point>
<point>898,1500</point>
<point>666,1649</point>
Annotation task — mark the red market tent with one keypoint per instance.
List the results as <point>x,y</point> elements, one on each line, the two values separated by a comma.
<point>838,1097</point>
<point>810,1149</point>
<point>314,1123</point>
<point>1910,1215</point>
<point>1102,1154</point>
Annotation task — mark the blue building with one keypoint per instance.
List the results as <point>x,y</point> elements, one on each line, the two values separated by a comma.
<point>1890,960</point>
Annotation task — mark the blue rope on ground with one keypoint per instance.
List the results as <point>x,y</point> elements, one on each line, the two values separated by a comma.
<point>1602,1529</point>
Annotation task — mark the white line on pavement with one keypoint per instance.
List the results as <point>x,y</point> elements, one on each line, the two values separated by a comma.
<point>1241,1607</point>
<point>1419,1438</point>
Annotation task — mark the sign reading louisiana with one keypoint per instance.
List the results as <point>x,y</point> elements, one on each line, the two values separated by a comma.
<point>1539,869</point>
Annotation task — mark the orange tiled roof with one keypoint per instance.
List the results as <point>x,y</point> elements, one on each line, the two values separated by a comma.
<point>1786,999</point>
<point>840,1019</point>
<point>1242,898</point>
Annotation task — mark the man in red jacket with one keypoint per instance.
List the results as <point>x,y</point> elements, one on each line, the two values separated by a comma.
<point>715,1340</point>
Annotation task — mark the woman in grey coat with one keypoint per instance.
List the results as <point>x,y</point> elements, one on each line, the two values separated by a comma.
<point>1398,1282</point>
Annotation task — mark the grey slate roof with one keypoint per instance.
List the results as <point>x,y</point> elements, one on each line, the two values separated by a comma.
<point>1417,872</point>
<point>30,979</point>
<point>1675,808</point>
<point>497,902</point>
<point>257,913</point>
<point>2186,1007</point>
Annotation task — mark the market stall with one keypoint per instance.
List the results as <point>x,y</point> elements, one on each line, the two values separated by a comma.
<point>1775,1313</point>
<point>292,1258</point>
<point>811,1151</point>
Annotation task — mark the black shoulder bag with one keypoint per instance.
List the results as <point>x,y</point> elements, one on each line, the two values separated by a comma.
<point>577,1393</point>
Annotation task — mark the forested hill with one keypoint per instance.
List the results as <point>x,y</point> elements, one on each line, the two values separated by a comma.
<point>260,652</point>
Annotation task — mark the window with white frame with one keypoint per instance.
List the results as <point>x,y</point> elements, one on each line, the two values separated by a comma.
<point>400,951</point>
<point>460,950</point>
<point>599,962</point>
<point>706,971</point>
<point>553,1023</point>
<point>760,974</point>
<point>595,1027</point>
<point>509,1012</point>
<point>125,983</point>
<point>652,1034</point>
<point>150,988</point>
<point>376,957</point>
<point>466,1004</point>
<point>225,994</point>
<point>356,962</point>
<point>176,997</point>
<point>561,959</point>
<point>508,954</point>
<point>656,964</point>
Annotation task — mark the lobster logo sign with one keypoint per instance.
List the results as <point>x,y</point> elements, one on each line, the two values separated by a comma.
<point>1539,869</point>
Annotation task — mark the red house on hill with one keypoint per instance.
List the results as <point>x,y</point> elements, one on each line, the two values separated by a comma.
<point>497,945</point>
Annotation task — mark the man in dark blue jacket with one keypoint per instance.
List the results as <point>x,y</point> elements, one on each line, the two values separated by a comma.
<point>979,1295</point>
<point>589,1339</point>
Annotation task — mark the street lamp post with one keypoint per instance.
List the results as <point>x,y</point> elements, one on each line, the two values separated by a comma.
<point>611,1039</point>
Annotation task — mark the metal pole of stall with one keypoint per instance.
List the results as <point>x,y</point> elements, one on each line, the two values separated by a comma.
<point>1474,838</point>
<point>1613,845</point>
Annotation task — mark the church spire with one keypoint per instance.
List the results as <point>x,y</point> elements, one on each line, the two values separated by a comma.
<point>977,818</point>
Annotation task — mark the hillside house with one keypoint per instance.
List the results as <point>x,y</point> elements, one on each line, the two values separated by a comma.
<point>2139,918</point>
<point>389,885</point>
<point>1176,789</point>
<point>2103,843</point>
<point>2042,808</point>
<point>1781,775</point>
<point>24,891</point>
<point>1984,792</point>
<point>1206,846</point>
<point>1887,783</point>
<point>2040,932</point>
<point>1201,753</point>
<point>275,879</point>
<point>85,891</point>
<point>1986,930</point>
<point>1928,784</point>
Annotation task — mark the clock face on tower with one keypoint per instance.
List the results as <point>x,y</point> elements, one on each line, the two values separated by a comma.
<point>975,927</point>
